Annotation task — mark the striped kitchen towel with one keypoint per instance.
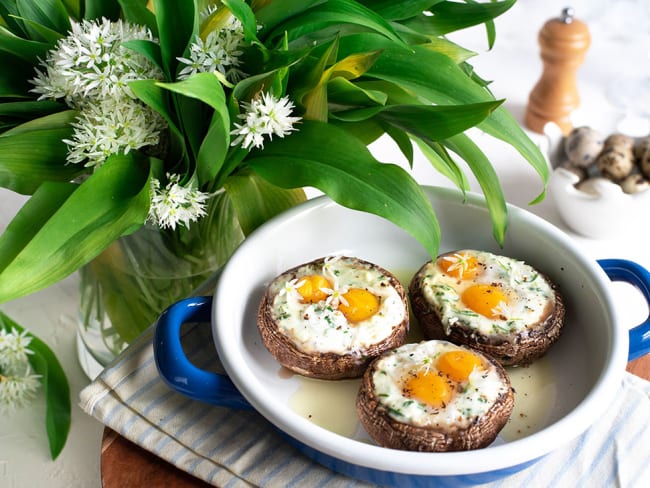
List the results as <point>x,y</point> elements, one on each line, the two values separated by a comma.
<point>235,448</point>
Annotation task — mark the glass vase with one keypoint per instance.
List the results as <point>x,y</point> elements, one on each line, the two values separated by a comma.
<point>126,287</point>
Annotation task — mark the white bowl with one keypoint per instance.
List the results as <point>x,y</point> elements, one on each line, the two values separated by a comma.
<point>600,209</point>
<point>585,366</point>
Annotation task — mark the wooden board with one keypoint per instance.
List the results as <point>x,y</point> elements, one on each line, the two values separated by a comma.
<point>124,464</point>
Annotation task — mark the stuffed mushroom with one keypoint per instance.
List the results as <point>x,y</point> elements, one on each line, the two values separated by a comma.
<point>434,396</point>
<point>330,317</point>
<point>496,304</point>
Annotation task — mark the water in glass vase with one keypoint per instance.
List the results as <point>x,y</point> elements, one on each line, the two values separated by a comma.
<point>126,287</point>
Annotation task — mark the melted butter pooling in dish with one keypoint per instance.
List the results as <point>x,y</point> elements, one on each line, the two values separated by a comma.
<point>535,395</point>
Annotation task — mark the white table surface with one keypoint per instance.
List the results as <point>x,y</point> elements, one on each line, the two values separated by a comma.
<point>513,65</point>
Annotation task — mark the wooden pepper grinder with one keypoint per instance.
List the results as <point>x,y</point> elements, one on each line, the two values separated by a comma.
<point>563,42</point>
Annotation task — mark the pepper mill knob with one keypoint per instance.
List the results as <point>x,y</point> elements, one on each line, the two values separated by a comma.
<point>563,42</point>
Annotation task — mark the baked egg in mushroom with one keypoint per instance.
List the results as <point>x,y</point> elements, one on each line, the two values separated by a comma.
<point>330,317</point>
<point>434,396</point>
<point>496,304</point>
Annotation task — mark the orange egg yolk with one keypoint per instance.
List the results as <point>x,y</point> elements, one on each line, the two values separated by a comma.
<point>428,387</point>
<point>485,300</point>
<point>461,266</point>
<point>361,304</point>
<point>458,365</point>
<point>311,288</point>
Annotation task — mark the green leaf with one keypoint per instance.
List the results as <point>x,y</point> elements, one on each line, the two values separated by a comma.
<point>158,99</point>
<point>73,7</point>
<point>41,32</point>
<point>307,78</point>
<point>456,53</point>
<point>194,117</point>
<point>279,11</point>
<point>443,163</point>
<point>96,9</point>
<point>149,49</point>
<point>177,26</point>
<point>395,93</point>
<point>392,10</point>
<point>366,131</point>
<point>9,13</point>
<point>438,79</point>
<point>152,93</point>
<point>25,49</point>
<point>55,388</point>
<point>487,179</point>
<point>315,101</point>
<point>247,88</point>
<point>342,93</point>
<point>33,152</point>
<point>438,121</point>
<point>452,16</point>
<point>31,217</point>
<point>402,140</point>
<point>336,12</point>
<point>50,14</point>
<point>136,12</point>
<point>255,200</point>
<point>350,175</point>
<point>14,77</point>
<point>214,147</point>
<point>57,120</point>
<point>113,201</point>
<point>432,122</point>
<point>30,109</point>
<point>246,16</point>
<point>202,86</point>
<point>490,28</point>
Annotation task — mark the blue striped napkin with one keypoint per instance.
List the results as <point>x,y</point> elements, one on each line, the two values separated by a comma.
<point>232,448</point>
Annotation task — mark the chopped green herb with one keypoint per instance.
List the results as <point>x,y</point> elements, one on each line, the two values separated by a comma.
<point>395,411</point>
<point>469,313</point>
<point>500,328</point>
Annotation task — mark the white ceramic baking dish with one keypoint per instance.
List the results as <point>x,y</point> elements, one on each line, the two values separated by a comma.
<point>584,367</point>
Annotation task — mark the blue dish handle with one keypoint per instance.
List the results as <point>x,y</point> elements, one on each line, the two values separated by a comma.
<point>637,275</point>
<point>174,367</point>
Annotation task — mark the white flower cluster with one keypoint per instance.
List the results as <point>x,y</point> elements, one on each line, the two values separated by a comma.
<point>335,295</point>
<point>264,116</point>
<point>90,70</point>
<point>18,385</point>
<point>220,51</point>
<point>103,129</point>
<point>175,204</point>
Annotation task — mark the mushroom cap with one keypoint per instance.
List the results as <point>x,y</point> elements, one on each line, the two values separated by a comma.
<point>389,432</point>
<point>326,365</point>
<point>510,349</point>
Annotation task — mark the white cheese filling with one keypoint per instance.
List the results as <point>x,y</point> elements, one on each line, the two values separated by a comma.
<point>471,399</point>
<point>321,327</point>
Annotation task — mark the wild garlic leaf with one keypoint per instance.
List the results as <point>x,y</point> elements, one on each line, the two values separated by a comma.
<point>350,175</point>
